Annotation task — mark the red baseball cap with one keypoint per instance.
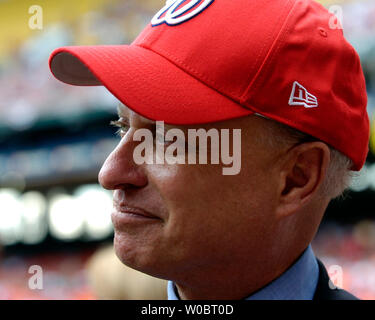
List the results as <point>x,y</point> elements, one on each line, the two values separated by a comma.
<point>201,61</point>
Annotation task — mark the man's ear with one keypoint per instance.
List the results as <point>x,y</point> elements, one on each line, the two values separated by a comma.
<point>302,173</point>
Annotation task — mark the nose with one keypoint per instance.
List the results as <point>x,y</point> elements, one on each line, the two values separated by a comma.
<point>119,171</point>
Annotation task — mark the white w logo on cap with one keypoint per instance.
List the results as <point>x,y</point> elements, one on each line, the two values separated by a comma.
<point>173,17</point>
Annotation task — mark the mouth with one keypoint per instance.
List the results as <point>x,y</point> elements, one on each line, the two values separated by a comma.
<point>134,211</point>
<point>124,215</point>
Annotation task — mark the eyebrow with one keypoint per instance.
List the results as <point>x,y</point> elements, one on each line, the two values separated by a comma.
<point>125,112</point>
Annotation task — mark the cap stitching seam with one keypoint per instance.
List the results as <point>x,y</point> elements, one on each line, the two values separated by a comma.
<point>270,56</point>
<point>256,61</point>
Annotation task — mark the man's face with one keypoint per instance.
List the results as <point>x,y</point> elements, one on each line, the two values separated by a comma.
<point>201,219</point>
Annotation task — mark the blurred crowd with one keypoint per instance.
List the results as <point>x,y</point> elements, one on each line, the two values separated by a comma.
<point>85,275</point>
<point>352,249</point>
<point>25,67</point>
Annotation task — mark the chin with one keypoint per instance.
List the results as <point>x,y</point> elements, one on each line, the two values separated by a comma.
<point>137,257</point>
<point>125,251</point>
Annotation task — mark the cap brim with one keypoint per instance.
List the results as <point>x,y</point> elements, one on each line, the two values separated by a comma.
<point>145,82</point>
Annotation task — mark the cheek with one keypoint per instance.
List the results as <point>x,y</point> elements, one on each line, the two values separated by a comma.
<point>204,206</point>
<point>190,188</point>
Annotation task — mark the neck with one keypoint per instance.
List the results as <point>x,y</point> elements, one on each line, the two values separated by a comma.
<point>231,283</point>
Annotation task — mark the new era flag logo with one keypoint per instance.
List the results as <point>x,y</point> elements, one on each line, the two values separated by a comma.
<point>301,97</point>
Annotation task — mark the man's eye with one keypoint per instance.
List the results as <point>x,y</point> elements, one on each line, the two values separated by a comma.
<point>122,128</point>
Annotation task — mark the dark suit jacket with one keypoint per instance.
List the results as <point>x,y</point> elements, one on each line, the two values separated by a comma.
<point>323,290</point>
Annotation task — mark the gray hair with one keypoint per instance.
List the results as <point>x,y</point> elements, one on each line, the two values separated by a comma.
<point>338,176</point>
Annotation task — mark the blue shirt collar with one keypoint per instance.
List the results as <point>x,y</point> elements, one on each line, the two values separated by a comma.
<point>297,283</point>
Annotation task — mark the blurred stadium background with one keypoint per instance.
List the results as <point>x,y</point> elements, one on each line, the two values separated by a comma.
<point>54,138</point>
